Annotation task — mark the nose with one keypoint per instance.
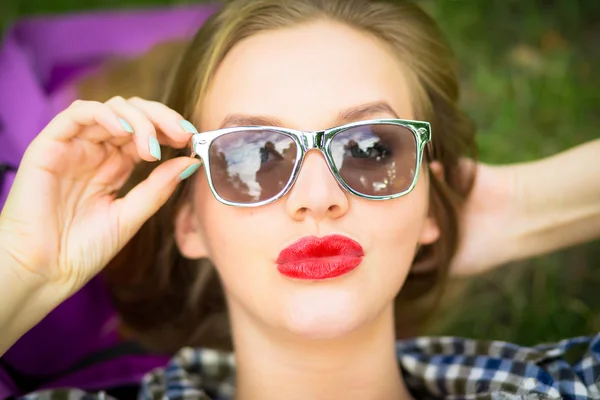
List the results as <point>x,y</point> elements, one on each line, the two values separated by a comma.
<point>316,194</point>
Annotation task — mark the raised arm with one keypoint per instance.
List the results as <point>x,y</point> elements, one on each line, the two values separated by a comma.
<point>528,209</point>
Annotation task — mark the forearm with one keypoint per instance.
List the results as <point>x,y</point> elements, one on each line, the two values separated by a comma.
<point>25,300</point>
<point>557,201</point>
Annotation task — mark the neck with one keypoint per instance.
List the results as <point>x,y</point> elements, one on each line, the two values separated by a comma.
<point>275,365</point>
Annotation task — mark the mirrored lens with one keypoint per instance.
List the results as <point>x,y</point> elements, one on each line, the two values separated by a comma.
<point>376,160</point>
<point>251,166</point>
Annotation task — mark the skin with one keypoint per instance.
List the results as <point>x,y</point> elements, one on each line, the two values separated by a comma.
<point>309,339</point>
<point>61,222</point>
<point>528,209</point>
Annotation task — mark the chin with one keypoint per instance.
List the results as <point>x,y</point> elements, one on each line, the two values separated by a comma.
<point>323,313</point>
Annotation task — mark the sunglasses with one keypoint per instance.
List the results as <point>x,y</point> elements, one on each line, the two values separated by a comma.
<point>250,166</point>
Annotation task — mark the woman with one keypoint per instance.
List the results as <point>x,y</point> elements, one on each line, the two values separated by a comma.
<point>314,251</point>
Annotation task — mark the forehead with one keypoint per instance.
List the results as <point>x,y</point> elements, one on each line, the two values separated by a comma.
<point>304,75</point>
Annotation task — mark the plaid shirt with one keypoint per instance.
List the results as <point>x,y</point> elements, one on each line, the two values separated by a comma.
<point>433,368</point>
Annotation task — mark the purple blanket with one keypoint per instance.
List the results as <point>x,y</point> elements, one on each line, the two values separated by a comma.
<point>39,60</point>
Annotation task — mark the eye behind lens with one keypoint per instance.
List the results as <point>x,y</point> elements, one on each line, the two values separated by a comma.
<point>376,159</point>
<point>252,165</point>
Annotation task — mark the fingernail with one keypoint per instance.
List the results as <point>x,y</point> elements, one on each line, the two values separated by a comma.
<point>154,147</point>
<point>126,125</point>
<point>189,171</point>
<point>188,127</point>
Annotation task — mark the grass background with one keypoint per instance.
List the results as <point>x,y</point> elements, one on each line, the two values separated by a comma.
<point>531,79</point>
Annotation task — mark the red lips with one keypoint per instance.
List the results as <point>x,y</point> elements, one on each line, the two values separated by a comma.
<point>320,258</point>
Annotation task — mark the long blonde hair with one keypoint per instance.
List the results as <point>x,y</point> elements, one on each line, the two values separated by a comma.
<point>167,301</point>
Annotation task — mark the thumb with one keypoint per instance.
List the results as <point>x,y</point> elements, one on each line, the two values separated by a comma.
<point>146,198</point>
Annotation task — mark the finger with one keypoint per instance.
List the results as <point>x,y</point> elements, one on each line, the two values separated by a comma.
<point>131,152</point>
<point>143,129</point>
<point>147,197</point>
<point>98,134</point>
<point>81,114</point>
<point>122,141</point>
<point>113,172</point>
<point>174,130</point>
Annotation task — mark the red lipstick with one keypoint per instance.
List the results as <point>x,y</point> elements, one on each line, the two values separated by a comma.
<point>320,258</point>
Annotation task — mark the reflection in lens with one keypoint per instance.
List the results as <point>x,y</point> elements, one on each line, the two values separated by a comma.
<point>376,160</point>
<point>251,166</point>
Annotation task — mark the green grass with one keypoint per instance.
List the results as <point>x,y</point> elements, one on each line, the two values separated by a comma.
<point>530,80</point>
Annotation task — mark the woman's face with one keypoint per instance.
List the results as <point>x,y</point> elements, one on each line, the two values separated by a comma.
<point>305,77</point>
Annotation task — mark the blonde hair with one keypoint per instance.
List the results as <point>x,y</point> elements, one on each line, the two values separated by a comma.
<point>167,301</point>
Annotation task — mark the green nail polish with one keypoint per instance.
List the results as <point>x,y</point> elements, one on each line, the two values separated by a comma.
<point>154,147</point>
<point>188,127</point>
<point>189,171</point>
<point>126,125</point>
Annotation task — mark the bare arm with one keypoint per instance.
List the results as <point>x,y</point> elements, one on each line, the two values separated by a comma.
<point>26,300</point>
<point>560,201</point>
<point>529,209</point>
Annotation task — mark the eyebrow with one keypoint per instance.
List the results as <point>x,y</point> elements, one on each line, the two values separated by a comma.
<point>351,114</point>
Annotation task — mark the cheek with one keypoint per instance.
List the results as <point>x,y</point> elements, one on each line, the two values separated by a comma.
<point>227,230</point>
<point>243,244</point>
<point>393,230</point>
<point>395,226</point>
<point>236,239</point>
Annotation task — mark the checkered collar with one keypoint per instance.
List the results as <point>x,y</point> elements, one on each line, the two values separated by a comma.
<point>433,368</point>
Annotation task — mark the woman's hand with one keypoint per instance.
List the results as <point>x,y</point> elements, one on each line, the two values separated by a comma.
<point>487,222</point>
<point>62,223</point>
